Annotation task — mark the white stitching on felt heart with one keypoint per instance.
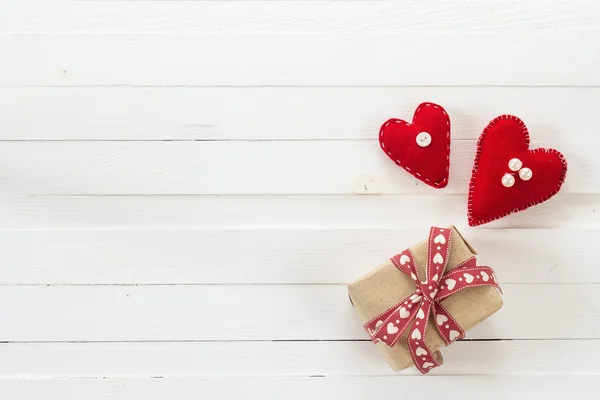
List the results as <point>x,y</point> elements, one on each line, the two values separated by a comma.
<point>561,157</point>
<point>398,162</point>
<point>451,283</point>
<point>420,351</point>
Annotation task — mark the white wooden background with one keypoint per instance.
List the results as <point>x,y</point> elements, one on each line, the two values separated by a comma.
<point>186,188</point>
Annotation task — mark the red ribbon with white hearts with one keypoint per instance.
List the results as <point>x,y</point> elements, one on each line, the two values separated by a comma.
<point>390,325</point>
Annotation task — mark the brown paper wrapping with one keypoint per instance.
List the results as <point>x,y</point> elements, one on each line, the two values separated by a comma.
<point>386,286</point>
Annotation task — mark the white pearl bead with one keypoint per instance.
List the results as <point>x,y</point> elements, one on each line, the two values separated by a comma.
<point>515,164</point>
<point>525,174</point>
<point>508,180</point>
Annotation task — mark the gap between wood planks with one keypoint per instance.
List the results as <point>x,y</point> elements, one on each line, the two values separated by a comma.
<point>257,284</point>
<point>258,86</point>
<point>281,340</point>
<point>203,140</point>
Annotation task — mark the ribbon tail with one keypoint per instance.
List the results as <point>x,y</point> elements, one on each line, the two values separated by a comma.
<point>448,328</point>
<point>469,275</point>
<point>396,324</point>
<point>375,325</point>
<point>390,325</point>
<point>425,360</point>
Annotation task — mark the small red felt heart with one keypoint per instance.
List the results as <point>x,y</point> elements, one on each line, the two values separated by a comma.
<point>506,137</point>
<point>421,147</point>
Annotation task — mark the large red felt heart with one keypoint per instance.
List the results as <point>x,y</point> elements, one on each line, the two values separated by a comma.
<point>505,138</point>
<point>428,160</point>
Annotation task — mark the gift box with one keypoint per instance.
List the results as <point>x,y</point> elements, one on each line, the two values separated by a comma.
<point>424,298</point>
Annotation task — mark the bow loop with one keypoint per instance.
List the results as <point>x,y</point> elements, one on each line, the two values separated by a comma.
<point>413,313</point>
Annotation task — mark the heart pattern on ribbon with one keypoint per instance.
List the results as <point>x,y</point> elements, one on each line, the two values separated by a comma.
<point>412,314</point>
<point>504,139</point>
<point>421,147</point>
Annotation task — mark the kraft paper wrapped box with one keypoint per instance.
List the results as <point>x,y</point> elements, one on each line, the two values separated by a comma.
<point>384,288</point>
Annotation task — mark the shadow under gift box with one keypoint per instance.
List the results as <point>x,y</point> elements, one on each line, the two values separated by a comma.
<point>386,286</point>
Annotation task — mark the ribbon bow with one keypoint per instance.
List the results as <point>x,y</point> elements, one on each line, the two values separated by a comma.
<point>390,325</point>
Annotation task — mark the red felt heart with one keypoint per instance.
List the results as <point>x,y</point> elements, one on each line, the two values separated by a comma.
<point>505,138</point>
<point>430,163</point>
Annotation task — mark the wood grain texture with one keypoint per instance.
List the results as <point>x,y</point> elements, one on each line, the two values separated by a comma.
<point>307,167</point>
<point>283,212</point>
<point>299,60</point>
<point>302,17</point>
<point>275,256</point>
<point>268,113</point>
<point>186,187</point>
<point>287,359</point>
<point>296,388</point>
<point>262,312</point>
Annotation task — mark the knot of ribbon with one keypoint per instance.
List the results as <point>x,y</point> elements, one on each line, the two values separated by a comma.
<point>414,311</point>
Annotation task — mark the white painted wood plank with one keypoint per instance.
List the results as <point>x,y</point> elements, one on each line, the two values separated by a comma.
<point>155,51</point>
<point>306,167</point>
<point>234,212</point>
<point>282,256</point>
<point>301,17</point>
<point>267,113</point>
<point>296,388</point>
<point>299,60</point>
<point>263,312</point>
<point>260,359</point>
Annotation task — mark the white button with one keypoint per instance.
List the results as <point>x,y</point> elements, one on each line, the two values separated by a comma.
<point>423,139</point>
